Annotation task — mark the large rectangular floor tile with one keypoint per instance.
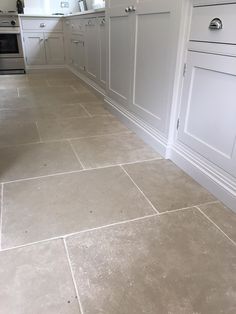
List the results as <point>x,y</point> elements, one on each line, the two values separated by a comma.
<point>27,161</point>
<point>43,112</point>
<point>112,149</point>
<point>37,280</point>
<point>13,133</point>
<point>43,208</point>
<point>79,127</point>
<point>176,263</point>
<point>222,217</point>
<point>95,108</point>
<point>9,92</point>
<point>35,91</point>
<point>167,186</point>
<point>15,102</point>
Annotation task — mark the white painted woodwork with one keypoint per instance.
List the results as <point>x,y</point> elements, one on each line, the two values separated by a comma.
<point>54,45</point>
<point>154,61</point>
<point>91,48</point>
<point>34,48</point>
<point>208,114</point>
<point>102,51</point>
<point>119,63</point>
<point>78,52</point>
<point>40,24</point>
<point>202,16</point>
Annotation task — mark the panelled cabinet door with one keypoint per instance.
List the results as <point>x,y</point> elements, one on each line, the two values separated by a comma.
<point>81,53</point>
<point>156,42</point>
<point>208,113</point>
<point>102,51</point>
<point>91,48</point>
<point>119,60</point>
<point>34,48</point>
<point>54,44</point>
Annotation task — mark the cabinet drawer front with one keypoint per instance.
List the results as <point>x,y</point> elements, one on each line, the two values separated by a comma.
<point>42,24</point>
<point>202,18</point>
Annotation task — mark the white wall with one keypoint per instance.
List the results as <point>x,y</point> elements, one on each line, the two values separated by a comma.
<point>7,4</point>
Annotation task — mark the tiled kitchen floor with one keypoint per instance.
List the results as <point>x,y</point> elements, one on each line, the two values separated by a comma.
<point>93,220</point>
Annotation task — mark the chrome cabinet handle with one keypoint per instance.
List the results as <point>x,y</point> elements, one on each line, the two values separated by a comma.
<point>42,25</point>
<point>216,24</point>
<point>130,9</point>
<point>103,21</point>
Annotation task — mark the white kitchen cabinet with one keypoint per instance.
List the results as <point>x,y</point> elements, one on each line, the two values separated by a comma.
<point>91,48</point>
<point>43,41</point>
<point>34,48</point>
<point>54,45</point>
<point>78,52</point>
<point>102,51</point>
<point>119,59</point>
<point>154,54</point>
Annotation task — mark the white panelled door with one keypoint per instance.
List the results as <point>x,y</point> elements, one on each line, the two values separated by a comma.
<point>102,51</point>
<point>54,44</point>
<point>92,49</point>
<point>156,42</point>
<point>120,52</point>
<point>34,48</point>
<point>208,113</point>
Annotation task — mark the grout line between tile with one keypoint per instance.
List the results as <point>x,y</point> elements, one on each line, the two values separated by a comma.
<point>76,155</point>
<point>147,199</point>
<point>88,113</point>
<point>73,276</point>
<point>37,127</point>
<point>1,215</point>
<point>67,172</point>
<point>209,219</point>
<point>80,232</point>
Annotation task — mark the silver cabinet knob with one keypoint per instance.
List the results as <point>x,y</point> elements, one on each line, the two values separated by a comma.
<point>127,10</point>
<point>42,25</point>
<point>216,24</point>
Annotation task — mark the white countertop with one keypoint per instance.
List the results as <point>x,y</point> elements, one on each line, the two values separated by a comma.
<point>64,16</point>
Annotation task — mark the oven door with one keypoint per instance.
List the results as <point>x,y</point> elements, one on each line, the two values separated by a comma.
<point>10,45</point>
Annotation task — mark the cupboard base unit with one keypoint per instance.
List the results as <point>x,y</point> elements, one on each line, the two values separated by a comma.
<point>43,42</point>
<point>86,48</point>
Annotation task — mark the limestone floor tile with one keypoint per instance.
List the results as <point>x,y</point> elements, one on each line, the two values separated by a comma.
<point>167,186</point>
<point>37,280</point>
<point>17,133</point>
<point>16,83</point>
<point>176,263</point>
<point>9,92</point>
<point>27,161</point>
<point>87,96</point>
<point>15,102</point>
<point>222,217</point>
<point>95,108</point>
<point>48,207</point>
<point>43,112</point>
<point>112,149</point>
<point>79,127</point>
<point>35,91</point>
<point>60,99</point>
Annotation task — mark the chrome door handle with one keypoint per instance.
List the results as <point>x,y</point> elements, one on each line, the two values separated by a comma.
<point>42,25</point>
<point>216,24</point>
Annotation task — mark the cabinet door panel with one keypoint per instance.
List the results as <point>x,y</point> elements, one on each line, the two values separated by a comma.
<point>119,58</point>
<point>92,50</point>
<point>102,52</point>
<point>34,48</point>
<point>54,44</point>
<point>154,60</point>
<point>208,114</point>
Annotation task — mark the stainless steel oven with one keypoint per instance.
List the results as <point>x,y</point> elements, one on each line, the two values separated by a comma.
<point>11,51</point>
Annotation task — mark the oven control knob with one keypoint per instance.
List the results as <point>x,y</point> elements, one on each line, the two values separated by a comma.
<point>13,23</point>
